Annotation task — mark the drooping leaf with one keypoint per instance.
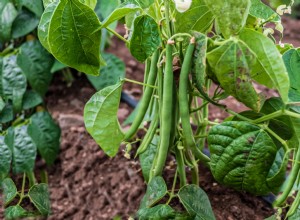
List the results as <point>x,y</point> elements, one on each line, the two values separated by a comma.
<point>198,18</point>
<point>231,15</point>
<point>25,22</point>
<point>8,13</point>
<point>196,202</point>
<point>120,12</point>
<point>232,63</point>
<point>260,10</point>
<point>23,149</point>
<point>100,117</point>
<point>36,63</point>
<point>12,81</point>
<point>45,134</point>
<point>9,190</point>
<point>90,3</point>
<point>242,155</point>
<point>147,157</point>
<point>39,196</point>
<point>270,69</point>
<point>34,6</point>
<point>145,38</point>
<point>156,190</point>
<point>31,99</point>
<point>74,36</point>
<point>162,212</point>
<point>15,212</point>
<point>109,74</point>
<point>44,25</point>
<point>292,62</point>
<point>5,159</point>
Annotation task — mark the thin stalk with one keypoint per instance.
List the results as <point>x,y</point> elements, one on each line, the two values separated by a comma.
<point>180,165</point>
<point>172,194</point>
<point>31,178</point>
<point>167,14</point>
<point>283,142</point>
<point>116,34</point>
<point>23,189</point>
<point>140,83</point>
<point>268,117</point>
<point>291,114</point>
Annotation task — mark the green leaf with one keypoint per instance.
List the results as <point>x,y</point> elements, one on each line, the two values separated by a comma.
<point>198,18</point>
<point>270,66</point>
<point>259,10</point>
<point>273,217</point>
<point>156,190</point>
<point>34,6</point>
<point>57,66</point>
<point>141,3</point>
<point>109,74</point>
<point>90,3</point>
<point>147,157</point>
<point>5,159</point>
<point>9,190</point>
<point>105,8</point>
<point>24,23</point>
<point>23,149</point>
<point>232,63</point>
<point>231,15</point>
<point>292,62</point>
<point>7,114</point>
<point>12,81</point>
<point>159,212</point>
<point>196,202</point>
<point>31,99</point>
<point>46,3</point>
<point>74,36</point>
<point>2,104</point>
<point>119,13</point>
<point>14,212</point>
<point>242,155</point>
<point>36,63</point>
<point>101,121</point>
<point>8,13</point>
<point>46,135</point>
<point>39,196</point>
<point>44,25</point>
<point>145,38</point>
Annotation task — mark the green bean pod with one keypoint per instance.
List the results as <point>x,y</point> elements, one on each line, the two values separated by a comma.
<point>144,103</point>
<point>188,136</point>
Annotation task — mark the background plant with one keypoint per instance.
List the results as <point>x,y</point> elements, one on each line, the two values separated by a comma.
<point>226,43</point>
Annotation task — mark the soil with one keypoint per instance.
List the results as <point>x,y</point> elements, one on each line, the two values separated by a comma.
<point>86,184</point>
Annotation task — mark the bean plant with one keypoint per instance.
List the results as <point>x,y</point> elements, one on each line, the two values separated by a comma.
<point>196,54</point>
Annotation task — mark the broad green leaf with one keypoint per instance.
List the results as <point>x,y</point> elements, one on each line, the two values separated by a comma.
<point>35,6</point>
<point>259,10</point>
<point>156,190</point>
<point>45,134</point>
<point>292,62</point>
<point>15,212</point>
<point>7,114</point>
<point>196,202</point>
<point>90,3</point>
<point>242,155</point>
<point>109,74</point>
<point>198,18</point>
<point>119,13</point>
<point>39,196</point>
<point>31,99</point>
<point>5,159</point>
<point>36,64</point>
<point>2,104</point>
<point>142,3</point>
<point>57,66</point>
<point>23,150</point>
<point>147,157</point>
<point>74,36</point>
<point>12,81</point>
<point>8,13</point>
<point>43,28</point>
<point>24,23</point>
<point>46,3</point>
<point>100,117</point>
<point>161,212</point>
<point>231,15</point>
<point>9,190</point>
<point>231,64</point>
<point>145,38</point>
<point>270,65</point>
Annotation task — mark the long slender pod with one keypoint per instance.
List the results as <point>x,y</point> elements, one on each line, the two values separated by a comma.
<point>144,103</point>
<point>188,136</point>
<point>166,117</point>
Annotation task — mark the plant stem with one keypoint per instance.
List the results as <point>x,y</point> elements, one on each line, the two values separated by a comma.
<point>139,83</point>
<point>31,178</point>
<point>23,189</point>
<point>167,14</point>
<point>283,142</point>
<point>268,117</point>
<point>172,195</point>
<point>291,114</point>
<point>180,165</point>
<point>116,34</point>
